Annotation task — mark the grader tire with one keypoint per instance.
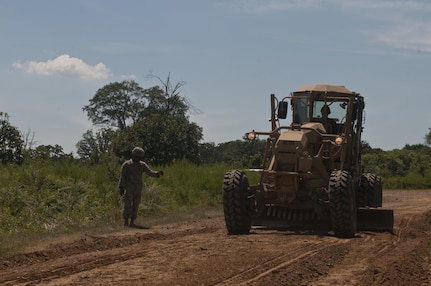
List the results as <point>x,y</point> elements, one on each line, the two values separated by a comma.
<point>378,189</point>
<point>370,191</point>
<point>342,204</point>
<point>235,203</point>
<point>365,191</point>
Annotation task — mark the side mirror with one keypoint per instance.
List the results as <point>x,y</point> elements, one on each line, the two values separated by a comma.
<point>282,110</point>
<point>355,111</point>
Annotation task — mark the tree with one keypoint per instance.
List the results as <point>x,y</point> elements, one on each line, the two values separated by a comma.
<point>153,118</point>
<point>11,144</point>
<point>117,104</point>
<point>93,145</point>
<point>428,137</point>
<point>208,153</point>
<point>28,143</point>
<point>121,104</point>
<point>44,152</point>
<point>28,139</point>
<point>165,139</point>
<point>159,102</point>
<point>172,102</point>
<point>244,152</point>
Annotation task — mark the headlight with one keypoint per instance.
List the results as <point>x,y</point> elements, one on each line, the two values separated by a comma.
<point>339,140</point>
<point>251,135</point>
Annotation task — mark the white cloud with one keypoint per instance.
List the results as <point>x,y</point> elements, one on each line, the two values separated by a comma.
<point>411,36</point>
<point>269,6</point>
<point>66,66</point>
<point>402,5</point>
<point>400,24</point>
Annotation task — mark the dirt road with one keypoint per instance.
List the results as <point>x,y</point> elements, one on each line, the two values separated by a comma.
<point>200,253</point>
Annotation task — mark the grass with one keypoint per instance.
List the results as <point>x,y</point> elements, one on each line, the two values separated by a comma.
<point>51,198</point>
<point>40,199</point>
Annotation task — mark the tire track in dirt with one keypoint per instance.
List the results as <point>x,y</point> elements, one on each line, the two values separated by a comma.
<point>361,250</point>
<point>55,269</point>
<point>254,274</point>
<point>373,255</point>
<point>192,258</point>
<point>408,261</point>
<point>200,253</point>
<point>50,265</point>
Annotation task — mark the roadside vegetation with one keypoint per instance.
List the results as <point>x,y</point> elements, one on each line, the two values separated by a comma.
<point>64,194</point>
<point>406,168</point>
<point>45,191</point>
<point>47,197</point>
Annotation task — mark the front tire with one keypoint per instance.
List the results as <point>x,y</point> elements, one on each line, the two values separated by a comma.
<point>235,202</point>
<point>342,204</point>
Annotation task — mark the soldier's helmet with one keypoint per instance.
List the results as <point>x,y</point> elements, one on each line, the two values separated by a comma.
<point>138,152</point>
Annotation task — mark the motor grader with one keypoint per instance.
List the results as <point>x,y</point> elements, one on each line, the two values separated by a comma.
<point>311,174</point>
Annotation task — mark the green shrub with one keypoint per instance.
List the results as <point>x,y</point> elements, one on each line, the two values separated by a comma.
<point>412,181</point>
<point>51,196</point>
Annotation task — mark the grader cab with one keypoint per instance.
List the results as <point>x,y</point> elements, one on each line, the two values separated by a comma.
<point>311,174</point>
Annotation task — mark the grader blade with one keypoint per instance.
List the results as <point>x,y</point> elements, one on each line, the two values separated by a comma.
<point>375,219</point>
<point>283,218</point>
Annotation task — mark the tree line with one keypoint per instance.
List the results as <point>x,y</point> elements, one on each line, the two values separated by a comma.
<point>405,168</point>
<point>125,115</point>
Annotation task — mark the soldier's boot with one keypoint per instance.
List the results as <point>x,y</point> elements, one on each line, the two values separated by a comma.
<point>126,222</point>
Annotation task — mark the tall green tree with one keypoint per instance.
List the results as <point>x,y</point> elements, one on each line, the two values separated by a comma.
<point>11,143</point>
<point>153,118</point>
<point>121,104</point>
<point>165,139</point>
<point>117,104</point>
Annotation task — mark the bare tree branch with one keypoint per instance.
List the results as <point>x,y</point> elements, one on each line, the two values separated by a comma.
<point>173,93</point>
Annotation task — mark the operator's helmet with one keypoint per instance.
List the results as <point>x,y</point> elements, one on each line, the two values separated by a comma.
<point>138,152</point>
<point>325,110</point>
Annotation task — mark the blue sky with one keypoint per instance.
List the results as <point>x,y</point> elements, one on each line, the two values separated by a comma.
<point>232,54</point>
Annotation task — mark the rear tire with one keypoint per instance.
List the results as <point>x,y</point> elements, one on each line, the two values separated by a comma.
<point>365,191</point>
<point>370,191</point>
<point>235,202</point>
<point>378,187</point>
<point>342,204</point>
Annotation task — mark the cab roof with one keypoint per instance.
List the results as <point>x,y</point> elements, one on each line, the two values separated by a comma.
<point>325,88</point>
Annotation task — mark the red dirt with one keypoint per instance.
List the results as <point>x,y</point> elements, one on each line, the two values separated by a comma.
<point>200,252</point>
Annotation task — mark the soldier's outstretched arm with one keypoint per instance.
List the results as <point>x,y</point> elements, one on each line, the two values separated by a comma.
<point>150,172</point>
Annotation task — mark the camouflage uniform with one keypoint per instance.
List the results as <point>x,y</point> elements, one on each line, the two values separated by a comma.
<point>130,184</point>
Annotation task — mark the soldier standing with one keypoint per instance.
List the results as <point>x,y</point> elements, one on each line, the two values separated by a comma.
<point>130,185</point>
